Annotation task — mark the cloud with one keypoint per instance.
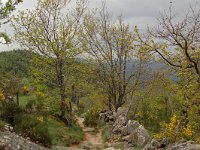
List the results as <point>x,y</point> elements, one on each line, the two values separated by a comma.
<point>135,12</point>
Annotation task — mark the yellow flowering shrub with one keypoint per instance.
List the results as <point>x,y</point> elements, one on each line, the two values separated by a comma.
<point>171,132</point>
<point>197,140</point>
<point>39,94</point>
<point>40,118</point>
<point>92,116</point>
<point>187,132</point>
<point>25,89</point>
<point>2,97</point>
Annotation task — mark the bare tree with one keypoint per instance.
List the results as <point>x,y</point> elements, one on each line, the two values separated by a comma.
<point>178,42</point>
<point>110,45</point>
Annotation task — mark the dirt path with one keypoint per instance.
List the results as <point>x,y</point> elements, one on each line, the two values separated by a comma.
<point>93,138</point>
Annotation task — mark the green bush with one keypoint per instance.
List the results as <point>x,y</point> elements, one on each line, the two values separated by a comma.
<point>74,135</point>
<point>92,116</point>
<point>34,128</point>
<point>63,135</point>
<point>34,106</point>
<point>9,110</point>
<point>2,124</point>
<point>106,133</point>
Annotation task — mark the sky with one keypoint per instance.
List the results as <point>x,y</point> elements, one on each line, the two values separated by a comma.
<point>142,13</point>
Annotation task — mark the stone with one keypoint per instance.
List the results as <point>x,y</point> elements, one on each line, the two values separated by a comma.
<point>121,111</point>
<point>143,136</point>
<point>139,137</point>
<point>188,145</point>
<point>124,130</point>
<point>12,141</point>
<point>132,125</point>
<point>153,145</point>
<point>106,116</point>
<point>119,123</point>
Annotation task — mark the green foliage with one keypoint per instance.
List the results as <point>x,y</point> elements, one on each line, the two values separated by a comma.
<point>24,99</point>
<point>34,105</point>
<point>16,62</point>
<point>91,117</point>
<point>173,132</point>
<point>5,11</point>
<point>63,135</point>
<point>8,7</point>
<point>9,110</point>
<point>106,133</point>
<point>74,135</point>
<point>2,124</point>
<point>33,127</point>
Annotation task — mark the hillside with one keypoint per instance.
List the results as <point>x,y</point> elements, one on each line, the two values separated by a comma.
<point>16,62</point>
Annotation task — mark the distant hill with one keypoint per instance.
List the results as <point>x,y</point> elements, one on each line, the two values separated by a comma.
<point>16,62</point>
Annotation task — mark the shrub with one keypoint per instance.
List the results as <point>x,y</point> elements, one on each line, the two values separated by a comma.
<point>25,90</point>
<point>106,133</point>
<point>2,97</point>
<point>173,132</point>
<point>2,125</point>
<point>92,116</point>
<point>63,135</point>
<point>9,110</point>
<point>33,106</point>
<point>33,127</point>
<point>74,135</point>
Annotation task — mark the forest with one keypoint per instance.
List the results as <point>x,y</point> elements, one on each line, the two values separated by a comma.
<point>85,79</point>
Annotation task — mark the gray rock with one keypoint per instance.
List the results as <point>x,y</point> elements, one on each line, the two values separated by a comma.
<point>121,111</point>
<point>132,125</point>
<point>131,133</point>
<point>119,123</point>
<point>188,145</point>
<point>11,141</point>
<point>143,136</point>
<point>153,145</point>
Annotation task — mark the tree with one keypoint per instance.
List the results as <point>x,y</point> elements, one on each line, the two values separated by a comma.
<point>5,11</point>
<point>50,33</point>
<point>178,41</point>
<point>111,47</point>
<point>177,44</point>
<point>11,85</point>
<point>16,62</point>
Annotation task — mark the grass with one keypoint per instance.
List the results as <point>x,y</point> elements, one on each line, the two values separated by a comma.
<point>24,99</point>
<point>60,134</point>
<point>63,135</point>
<point>2,124</point>
<point>106,133</point>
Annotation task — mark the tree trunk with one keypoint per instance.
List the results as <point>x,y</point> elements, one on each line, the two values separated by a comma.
<point>17,98</point>
<point>61,84</point>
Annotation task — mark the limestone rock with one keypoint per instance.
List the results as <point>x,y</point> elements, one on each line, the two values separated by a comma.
<point>153,145</point>
<point>12,141</point>
<point>188,145</point>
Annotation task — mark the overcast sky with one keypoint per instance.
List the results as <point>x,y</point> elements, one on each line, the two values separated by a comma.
<point>142,13</point>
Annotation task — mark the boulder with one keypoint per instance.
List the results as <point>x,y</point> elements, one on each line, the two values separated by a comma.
<point>188,145</point>
<point>106,116</point>
<point>153,145</point>
<point>121,111</point>
<point>5,146</point>
<point>132,125</point>
<point>143,136</point>
<point>119,123</point>
<point>12,141</point>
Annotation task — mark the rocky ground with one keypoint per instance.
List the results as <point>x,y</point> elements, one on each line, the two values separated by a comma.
<point>126,134</point>
<point>12,141</point>
<point>130,134</point>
